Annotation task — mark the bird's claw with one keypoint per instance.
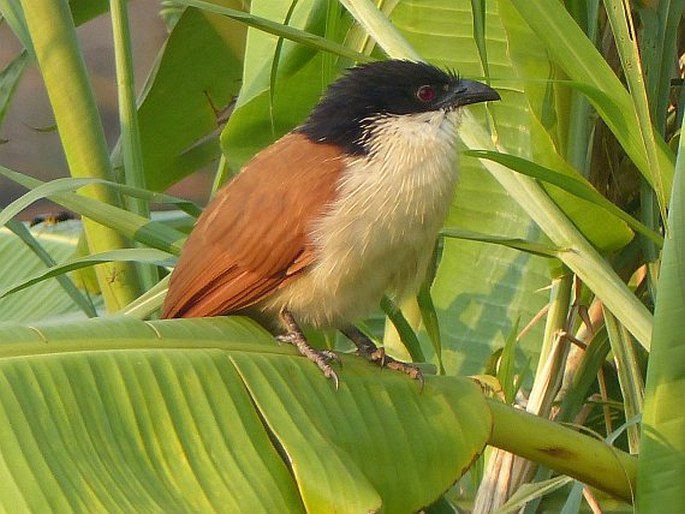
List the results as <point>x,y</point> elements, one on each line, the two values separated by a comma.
<point>383,360</point>
<point>322,358</point>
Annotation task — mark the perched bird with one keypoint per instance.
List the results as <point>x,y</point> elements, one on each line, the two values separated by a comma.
<point>341,210</point>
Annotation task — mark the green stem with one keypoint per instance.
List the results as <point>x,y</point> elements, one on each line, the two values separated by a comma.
<point>223,173</point>
<point>57,53</point>
<point>560,300</point>
<point>377,25</point>
<point>629,376</point>
<point>569,452</point>
<point>550,371</point>
<point>131,150</point>
<point>128,114</point>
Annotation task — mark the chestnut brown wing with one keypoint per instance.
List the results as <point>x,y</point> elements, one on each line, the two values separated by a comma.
<point>254,234</point>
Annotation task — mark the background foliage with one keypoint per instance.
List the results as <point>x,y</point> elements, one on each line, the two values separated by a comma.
<point>564,238</point>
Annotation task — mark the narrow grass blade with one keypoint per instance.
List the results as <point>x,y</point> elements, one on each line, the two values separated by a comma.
<point>69,287</point>
<point>145,255</point>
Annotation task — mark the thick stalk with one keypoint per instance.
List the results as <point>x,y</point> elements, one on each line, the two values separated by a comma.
<point>64,73</point>
<point>569,452</point>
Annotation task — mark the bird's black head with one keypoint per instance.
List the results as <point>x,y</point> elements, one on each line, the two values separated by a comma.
<point>386,88</point>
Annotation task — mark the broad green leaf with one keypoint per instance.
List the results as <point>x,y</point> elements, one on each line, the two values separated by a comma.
<point>85,10</point>
<point>661,469</point>
<point>262,115</point>
<point>215,416</point>
<point>185,98</point>
<point>80,298</point>
<point>19,262</point>
<point>593,269</point>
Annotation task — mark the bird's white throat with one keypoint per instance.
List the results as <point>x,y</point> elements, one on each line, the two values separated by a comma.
<point>378,234</point>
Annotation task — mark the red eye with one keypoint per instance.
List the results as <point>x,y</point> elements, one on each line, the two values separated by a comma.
<point>425,93</point>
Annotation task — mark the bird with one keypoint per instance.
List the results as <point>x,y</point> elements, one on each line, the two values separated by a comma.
<point>343,209</point>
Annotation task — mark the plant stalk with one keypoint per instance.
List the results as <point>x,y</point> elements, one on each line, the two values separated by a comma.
<point>132,152</point>
<point>569,452</point>
<point>64,73</point>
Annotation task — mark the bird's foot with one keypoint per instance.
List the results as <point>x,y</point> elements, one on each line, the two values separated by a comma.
<point>322,358</point>
<point>367,349</point>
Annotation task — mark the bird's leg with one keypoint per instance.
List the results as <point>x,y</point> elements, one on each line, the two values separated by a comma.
<point>372,353</point>
<point>295,337</point>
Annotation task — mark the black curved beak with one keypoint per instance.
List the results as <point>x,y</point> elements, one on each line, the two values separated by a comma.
<point>467,92</point>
